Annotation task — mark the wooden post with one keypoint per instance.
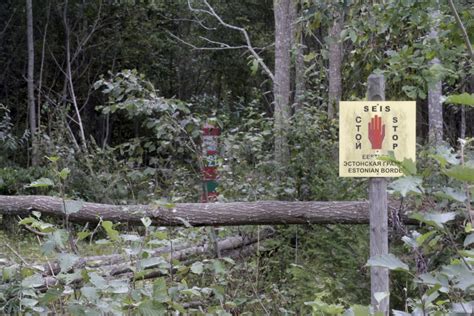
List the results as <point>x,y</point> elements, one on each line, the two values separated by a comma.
<point>210,135</point>
<point>379,278</point>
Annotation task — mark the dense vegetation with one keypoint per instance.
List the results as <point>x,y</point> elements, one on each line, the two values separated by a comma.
<point>104,101</point>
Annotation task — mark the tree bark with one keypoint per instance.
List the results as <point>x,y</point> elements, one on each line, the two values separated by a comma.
<point>379,277</point>
<point>30,83</point>
<point>435,108</point>
<point>335,62</point>
<point>297,45</point>
<point>281,84</point>
<point>117,264</point>
<point>202,214</point>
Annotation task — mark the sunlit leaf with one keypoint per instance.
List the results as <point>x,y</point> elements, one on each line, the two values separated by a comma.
<point>111,232</point>
<point>146,221</point>
<point>463,99</point>
<point>98,281</point>
<point>32,281</point>
<point>197,267</point>
<point>388,261</point>
<point>67,261</point>
<point>72,206</point>
<point>41,183</point>
<point>63,174</point>
<point>462,173</point>
<point>434,219</point>
<point>406,185</point>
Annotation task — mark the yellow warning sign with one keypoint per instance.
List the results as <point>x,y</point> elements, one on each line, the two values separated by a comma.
<point>370,129</point>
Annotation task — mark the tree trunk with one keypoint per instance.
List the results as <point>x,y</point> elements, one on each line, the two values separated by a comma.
<point>297,45</point>
<point>335,62</point>
<point>30,81</point>
<point>281,84</point>
<point>69,77</point>
<point>435,109</point>
<point>202,214</point>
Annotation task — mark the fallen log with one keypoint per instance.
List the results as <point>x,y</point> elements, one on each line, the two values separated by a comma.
<point>232,246</point>
<point>225,245</point>
<point>201,214</point>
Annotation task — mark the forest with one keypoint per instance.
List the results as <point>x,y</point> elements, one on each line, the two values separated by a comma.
<point>183,157</point>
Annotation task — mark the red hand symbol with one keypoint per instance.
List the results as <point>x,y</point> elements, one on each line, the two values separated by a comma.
<point>376,132</point>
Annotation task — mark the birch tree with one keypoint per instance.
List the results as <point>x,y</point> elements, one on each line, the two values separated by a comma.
<point>435,109</point>
<point>281,84</point>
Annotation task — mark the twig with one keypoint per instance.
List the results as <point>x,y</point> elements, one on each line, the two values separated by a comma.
<point>194,47</point>
<point>16,254</point>
<point>249,46</point>
<point>463,29</point>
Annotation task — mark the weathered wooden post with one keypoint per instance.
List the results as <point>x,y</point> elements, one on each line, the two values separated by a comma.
<point>210,141</point>
<point>369,130</point>
<point>210,135</point>
<point>379,277</point>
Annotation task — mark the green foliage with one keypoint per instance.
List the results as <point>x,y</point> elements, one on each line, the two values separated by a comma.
<point>9,142</point>
<point>388,261</point>
<point>462,99</point>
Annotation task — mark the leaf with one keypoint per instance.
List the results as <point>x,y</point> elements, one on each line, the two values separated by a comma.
<point>462,173</point>
<point>27,221</point>
<point>53,158</point>
<point>151,308</point>
<point>399,313</point>
<point>197,267</point>
<point>254,67</point>
<point>309,57</point>
<point>420,240</point>
<point>90,293</point>
<point>353,36</point>
<point>407,184</point>
<point>160,291</point>
<point>434,219</point>
<point>29,302</point>
<point>359,310</point>
<point>41,183</point>
<point>72,206</point>
<point>67,261</point>
<point>119,287</point>
<point>469,240</point>
<point>111,232</point>
<point>130,237</point>
<point>464,99</point>
<point>388,261</point>
<point>151,262</point>
<point>453,194</point>
<point>33,281</point>
<point>83,235</point>
<point>191,292</point>
<point>97,280</point>
<point>63,174</point>
<point>51,295</point>
<point>444,155</point>
<point>379,296</point>
<point>146,221</point>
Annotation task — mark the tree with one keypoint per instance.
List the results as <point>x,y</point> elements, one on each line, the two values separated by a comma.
<point>435,109</point>
<point>31,84</point>
<point>335,62</point>
<point>297,45</point>
<point>281,84</point>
